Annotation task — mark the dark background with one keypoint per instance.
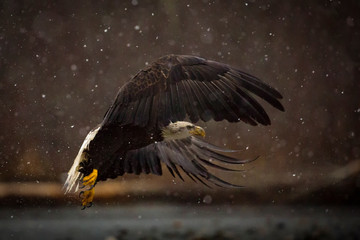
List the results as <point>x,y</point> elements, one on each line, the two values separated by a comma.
<point>62,62</point>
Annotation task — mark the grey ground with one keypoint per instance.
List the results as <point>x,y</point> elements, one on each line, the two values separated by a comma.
<point>157,221</point>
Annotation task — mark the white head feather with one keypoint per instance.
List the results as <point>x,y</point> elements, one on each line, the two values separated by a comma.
<point>181,129</point>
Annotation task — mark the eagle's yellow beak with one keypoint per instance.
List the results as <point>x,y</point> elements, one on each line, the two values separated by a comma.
<point>198,131</point>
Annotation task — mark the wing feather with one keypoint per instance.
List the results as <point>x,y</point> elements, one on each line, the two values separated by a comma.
<point>154,111</point>
<point>190,155</point>
<point>214,102</point>
<point>189,102</point>
<point>178,110</point>
<point>205,112</point>
<point>222,96</point>
<point>175,86</point>
<point>248,112</point>
<point>139,115</point>
<point>259,89</point>
<point>131,112</point>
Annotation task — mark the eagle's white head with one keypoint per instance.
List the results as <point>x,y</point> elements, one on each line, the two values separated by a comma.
<point>181,129</point>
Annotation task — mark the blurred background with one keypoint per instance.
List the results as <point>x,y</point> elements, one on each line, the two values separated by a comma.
<point>62,63</point>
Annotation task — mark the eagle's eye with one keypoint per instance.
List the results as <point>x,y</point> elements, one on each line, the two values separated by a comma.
<point>190,127</point>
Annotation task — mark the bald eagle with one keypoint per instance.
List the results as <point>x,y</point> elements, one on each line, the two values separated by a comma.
<point>145,125</point>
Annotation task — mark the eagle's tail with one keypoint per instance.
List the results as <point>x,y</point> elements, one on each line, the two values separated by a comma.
<point>74,175</point>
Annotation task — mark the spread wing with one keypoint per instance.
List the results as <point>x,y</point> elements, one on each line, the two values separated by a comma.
<point>189,155</point>
<point>178,86</point>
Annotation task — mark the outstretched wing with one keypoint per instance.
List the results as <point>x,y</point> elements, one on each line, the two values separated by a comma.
<point>176,86</point>
<point>190,155</point>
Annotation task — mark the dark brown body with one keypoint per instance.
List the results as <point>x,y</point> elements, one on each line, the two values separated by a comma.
<point>111,145</point>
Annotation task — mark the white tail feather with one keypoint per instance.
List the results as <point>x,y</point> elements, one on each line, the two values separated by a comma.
<point>74,175</point>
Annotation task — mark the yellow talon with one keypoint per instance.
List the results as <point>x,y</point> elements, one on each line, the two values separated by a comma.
<point>91,178</point>
<point>88,197</point>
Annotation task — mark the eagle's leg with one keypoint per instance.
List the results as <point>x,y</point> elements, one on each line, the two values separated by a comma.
<point>88,195</point>
<point>90,179</point>
<point>87,198</point>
